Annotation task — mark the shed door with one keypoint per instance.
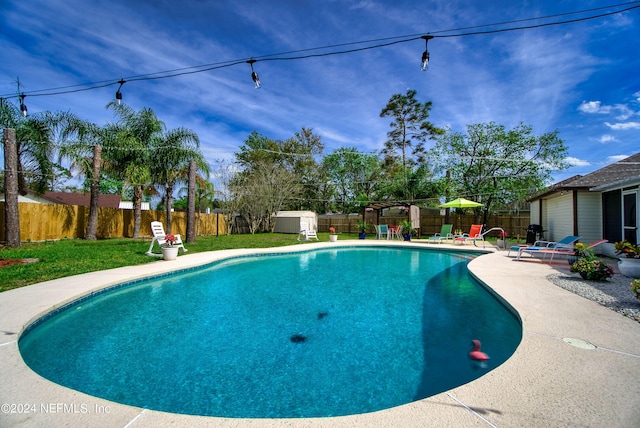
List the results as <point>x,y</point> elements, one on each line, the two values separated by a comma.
<point>630,216</point>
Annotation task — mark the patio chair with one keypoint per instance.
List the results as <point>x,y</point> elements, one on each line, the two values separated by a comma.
<point>396,232</point>
<point>382,229</point>
<point>475,234</point>
<point>157,229</point>
<point>307,232</point>
<point>563,246</point>
<point>445,233</point>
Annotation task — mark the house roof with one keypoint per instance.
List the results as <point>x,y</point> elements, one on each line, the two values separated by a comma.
<point>81,199</point>
<point>610,174</point>
<point>623,171</point>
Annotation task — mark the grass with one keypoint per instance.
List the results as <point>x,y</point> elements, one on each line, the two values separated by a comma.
<point>68,257</point>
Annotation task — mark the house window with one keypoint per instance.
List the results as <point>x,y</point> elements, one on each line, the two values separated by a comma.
<point>630,216</point>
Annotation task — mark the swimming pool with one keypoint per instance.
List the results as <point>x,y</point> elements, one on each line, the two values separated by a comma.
<point>317,333</point>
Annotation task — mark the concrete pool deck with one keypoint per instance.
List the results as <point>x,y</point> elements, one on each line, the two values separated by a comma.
<point>548,382</point>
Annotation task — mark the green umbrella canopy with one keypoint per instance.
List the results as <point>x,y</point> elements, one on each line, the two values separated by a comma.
<point>461,203</point>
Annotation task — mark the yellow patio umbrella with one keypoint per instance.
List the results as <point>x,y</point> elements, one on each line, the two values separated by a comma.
<point>461,203</point>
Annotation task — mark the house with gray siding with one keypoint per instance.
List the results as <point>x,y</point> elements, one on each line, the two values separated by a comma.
<point>599,205</point>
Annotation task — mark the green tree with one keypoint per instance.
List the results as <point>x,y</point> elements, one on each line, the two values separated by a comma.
<point>303,147</point>
<point>353,177</point>
<point>128,148</point>
<point>409,129</point>
<point>262,192</point>
<point>37,138</point>
<point>295,155</point>
<point>85,154</point>
<point>169,162</point>
<point>496,166</point>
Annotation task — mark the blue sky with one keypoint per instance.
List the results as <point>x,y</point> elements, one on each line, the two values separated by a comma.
<point>579,78</point>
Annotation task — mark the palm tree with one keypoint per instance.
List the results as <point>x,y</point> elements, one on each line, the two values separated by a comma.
<point>128,147</point>
<point>170,157</point>
<point>204,195</point>
<point>36,137</point>
<point>84,153</point>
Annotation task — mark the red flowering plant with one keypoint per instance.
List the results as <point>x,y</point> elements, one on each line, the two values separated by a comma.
<point>170,240</point>
<point>503,234</point>
<point>332,230</point>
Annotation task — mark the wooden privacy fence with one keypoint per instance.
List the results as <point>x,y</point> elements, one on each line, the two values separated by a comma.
<point>515,226</point>
<point>44,222</point>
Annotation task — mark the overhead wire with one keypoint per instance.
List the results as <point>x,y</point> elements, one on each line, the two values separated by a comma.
<point>388,41</point>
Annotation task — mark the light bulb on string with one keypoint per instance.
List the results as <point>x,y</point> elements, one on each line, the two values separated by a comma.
<point>425,55</point>
<point>254,75</point>
<point>118,93</point>
<point>23,107</point>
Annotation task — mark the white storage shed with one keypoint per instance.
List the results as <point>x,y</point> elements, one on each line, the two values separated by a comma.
<point>289,221</point>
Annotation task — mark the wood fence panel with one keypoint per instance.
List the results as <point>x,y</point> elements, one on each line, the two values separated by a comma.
<point>48,222</point>
<point>429,224</point>
<point>110,223</point>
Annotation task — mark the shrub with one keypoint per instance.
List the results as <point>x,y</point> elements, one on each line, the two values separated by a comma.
<point>592,269</point>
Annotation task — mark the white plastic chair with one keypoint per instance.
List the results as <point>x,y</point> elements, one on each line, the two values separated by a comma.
<point>157,229</point>
<point>307,232</point>
<point>382,230</point>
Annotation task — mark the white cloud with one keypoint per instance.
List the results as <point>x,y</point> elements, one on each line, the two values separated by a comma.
<point>596,107</point>
<point>576,162</point>
<point>616,158</point>
<point>593,107</point>
<point>623,126</point>
<point>607,138</point>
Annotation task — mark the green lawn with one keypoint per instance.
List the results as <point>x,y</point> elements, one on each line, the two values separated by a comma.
<point>72,257</point>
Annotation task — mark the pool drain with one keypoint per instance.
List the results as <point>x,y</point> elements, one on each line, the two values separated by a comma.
<point>298,338</point>
<point>579,343</point>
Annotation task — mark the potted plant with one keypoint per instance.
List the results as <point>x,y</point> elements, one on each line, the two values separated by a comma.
<point>629,262</point>
<point>169,251</point>
<point>635,287</point>
<point>502,239</point>
<point>332,234</point>
<point>580,251</point>
<point>407,229</point>
<point>362,229</point>
<point>592,268</point>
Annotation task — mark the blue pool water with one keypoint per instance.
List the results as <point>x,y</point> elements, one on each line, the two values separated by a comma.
<point>317,333</point>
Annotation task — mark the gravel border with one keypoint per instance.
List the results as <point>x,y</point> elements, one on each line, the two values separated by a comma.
<point>615,293</point>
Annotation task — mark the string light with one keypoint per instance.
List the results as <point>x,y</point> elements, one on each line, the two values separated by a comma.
<point>23,107</point>
<point>425,54</point>
<point>118,93</point>
<point>254,75</point>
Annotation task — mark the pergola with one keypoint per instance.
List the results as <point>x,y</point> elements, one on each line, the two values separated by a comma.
<point>378,206</point>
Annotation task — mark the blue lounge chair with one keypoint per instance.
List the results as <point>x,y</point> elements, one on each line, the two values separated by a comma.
<point>565,246</point>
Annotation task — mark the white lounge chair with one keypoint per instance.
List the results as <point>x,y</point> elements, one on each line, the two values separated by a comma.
<point>157,229</point>
<point>306,232</point>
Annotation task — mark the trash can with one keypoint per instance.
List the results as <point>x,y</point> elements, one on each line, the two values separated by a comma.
<point>533,232</point>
